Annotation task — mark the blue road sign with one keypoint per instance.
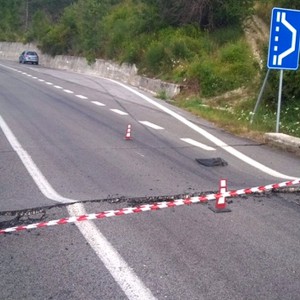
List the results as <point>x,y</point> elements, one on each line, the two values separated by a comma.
<point>284,41</point>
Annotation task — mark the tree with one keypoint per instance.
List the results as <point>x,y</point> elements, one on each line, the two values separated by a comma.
<point>208,14</point>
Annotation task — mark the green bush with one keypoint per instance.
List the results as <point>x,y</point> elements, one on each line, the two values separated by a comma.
<point>155,57</point>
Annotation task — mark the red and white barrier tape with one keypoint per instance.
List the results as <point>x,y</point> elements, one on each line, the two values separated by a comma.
<point>151,207</point>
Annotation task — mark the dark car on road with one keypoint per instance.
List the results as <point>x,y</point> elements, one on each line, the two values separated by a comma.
<point>29,57</point>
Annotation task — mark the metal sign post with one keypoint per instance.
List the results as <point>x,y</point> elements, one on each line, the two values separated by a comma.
<point>284,48</point>
<point>279,101</point>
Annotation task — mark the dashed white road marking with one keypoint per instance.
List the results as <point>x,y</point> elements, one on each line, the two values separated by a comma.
<point>198,144</point>
<point>68,91</point>
<point>98,103</point>
<point>41,80</point>
<point>49,83</point>
<point>149,124</point>
<point>123,274</point>
<point>58,87</point>
<point>218,142</point>
<point>81,97</point>
<point>33,77</point>
<point>140,154</point>
<point>120,112</point>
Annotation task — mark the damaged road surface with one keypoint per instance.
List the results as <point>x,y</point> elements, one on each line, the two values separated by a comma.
<point>63,154</point>
<point>141,239</point>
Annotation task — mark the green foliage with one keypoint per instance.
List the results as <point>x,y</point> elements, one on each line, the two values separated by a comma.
<point>291,4</point>
<point>230,67</point>
<point>39,27</point>
<point>10,20</point>
<point>207,14</point>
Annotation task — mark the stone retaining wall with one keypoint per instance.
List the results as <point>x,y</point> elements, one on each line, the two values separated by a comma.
<point>108,69</point>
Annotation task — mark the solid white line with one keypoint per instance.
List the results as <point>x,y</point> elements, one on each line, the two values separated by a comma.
<point>149,124</point>
<point>198,144</point>
<point>31,167</point>
<point>120,112</point>
<point>81,97</point>
<point>132,286</point>
<point>128,281</point>
<point>97,103</point>
<point>209,136</point>
<point>68,92</point>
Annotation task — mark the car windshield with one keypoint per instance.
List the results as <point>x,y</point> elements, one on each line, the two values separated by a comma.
<point>31,53</point>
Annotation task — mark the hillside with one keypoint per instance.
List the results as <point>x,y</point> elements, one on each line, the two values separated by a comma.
<point>216,50</point>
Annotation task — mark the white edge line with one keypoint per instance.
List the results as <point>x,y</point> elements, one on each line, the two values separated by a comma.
<point>132,286</point>
<point>128,281</point>
<point>209,136</point>
<point>31,167</point>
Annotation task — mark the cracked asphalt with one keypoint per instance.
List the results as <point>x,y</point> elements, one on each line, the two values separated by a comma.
<point>187,252</point>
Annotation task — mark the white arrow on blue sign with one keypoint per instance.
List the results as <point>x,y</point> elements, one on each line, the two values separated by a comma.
<point>284,44</point>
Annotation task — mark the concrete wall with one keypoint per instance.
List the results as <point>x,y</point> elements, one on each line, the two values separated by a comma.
<point>108,69</point>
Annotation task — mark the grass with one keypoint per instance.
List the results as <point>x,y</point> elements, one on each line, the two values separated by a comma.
<point>236,118</point>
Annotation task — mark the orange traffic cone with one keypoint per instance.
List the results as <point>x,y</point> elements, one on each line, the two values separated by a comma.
<point>128,133</point>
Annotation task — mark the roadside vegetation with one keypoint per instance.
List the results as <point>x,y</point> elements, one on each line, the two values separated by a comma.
<point>199,44</point>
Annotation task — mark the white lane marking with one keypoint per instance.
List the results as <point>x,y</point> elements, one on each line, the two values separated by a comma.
<point>198,144</point>
<point>132,286</point>
<point>33,77</point>
<point>140,154</point>
<point>28,75</point>
<point>31,167</point>
<point>149,124</point>
<point>209,136</point>
<point>58,87</point>
<point>49,83</point>
<point>120,112</point>
<point>41,80</point>
<point>68,91</point>
<point>128,281</point>
<point>97,103</point>
<point>81,97</point>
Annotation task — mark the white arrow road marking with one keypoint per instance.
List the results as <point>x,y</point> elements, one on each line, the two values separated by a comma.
<point>198,144</point>
<point>128,281</point>
<point>149,124</point>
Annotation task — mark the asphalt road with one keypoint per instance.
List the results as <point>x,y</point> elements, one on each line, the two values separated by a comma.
<point>62,140</point>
